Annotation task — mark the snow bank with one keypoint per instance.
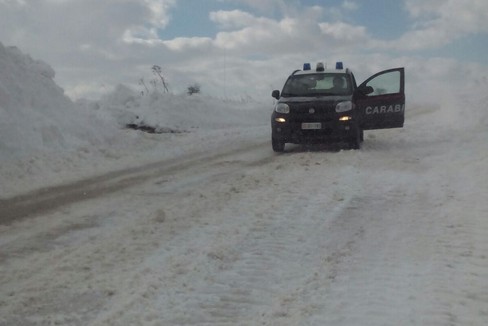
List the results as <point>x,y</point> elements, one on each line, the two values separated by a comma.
<point>40,128</point>
<point>46,139</point>
<point>35,115</point>
<point>181,113</point>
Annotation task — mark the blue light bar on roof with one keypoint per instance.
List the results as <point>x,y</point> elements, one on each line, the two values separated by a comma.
<point>339,65</point>
<point>306,66</point>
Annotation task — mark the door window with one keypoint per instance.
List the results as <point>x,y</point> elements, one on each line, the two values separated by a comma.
<point>387,83</point>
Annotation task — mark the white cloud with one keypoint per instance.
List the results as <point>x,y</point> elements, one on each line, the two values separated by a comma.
<point>146,31</point>
<point>13,2</point>
<point>267,5</point>
<point>188,43</point>
<point>344,32</point>
<point>159,11</point>
<point>350,5</point>
<point>234,19</point>
<point>102,43</point>
<point>66,23</point>
<point>301,33</point>
<point>141,35</point>
<point>440,22</point>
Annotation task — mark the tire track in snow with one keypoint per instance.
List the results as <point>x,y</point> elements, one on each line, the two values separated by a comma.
<point>272,263</point>
<point>61,247</point>
<point>48,199</point>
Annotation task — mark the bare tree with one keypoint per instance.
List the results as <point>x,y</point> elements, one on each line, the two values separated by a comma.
<point>159,72</point>
<point>141,82</point>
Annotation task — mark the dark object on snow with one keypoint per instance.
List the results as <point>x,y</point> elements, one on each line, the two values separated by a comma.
<point>153,130</point>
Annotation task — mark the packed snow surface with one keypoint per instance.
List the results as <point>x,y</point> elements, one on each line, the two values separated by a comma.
<point>200,223</point>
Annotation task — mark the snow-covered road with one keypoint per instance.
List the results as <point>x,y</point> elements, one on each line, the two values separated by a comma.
<point>54,197</point>
<point>393,234</point>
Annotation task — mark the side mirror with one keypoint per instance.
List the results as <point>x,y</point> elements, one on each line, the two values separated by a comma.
<point>276,94</point>
<point>366,90</point>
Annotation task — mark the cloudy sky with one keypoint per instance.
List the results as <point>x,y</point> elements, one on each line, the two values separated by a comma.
<point>240,48</point>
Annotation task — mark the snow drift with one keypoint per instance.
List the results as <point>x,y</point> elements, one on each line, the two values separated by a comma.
<point>45,138</point>
<point>35,114</point>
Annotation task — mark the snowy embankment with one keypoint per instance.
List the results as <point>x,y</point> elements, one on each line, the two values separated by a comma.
<point>46,139</point>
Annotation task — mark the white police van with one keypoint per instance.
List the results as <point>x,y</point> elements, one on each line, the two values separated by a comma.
<point>326,105</point>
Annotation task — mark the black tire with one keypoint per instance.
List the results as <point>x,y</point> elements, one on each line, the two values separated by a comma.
<point>361,135</point>
<point>355,140</point>
<point>278,145</point>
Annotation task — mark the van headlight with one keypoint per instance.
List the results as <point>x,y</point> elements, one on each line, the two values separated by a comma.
<point>282,108</point>
<point>344,106</point>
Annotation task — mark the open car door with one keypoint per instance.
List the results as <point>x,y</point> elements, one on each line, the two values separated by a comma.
<point>381,100</point>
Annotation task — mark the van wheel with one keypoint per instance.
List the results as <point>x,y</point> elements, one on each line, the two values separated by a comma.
<point>278,145</point>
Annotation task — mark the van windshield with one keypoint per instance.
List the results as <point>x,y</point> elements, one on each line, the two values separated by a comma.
<point>326,84</point>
